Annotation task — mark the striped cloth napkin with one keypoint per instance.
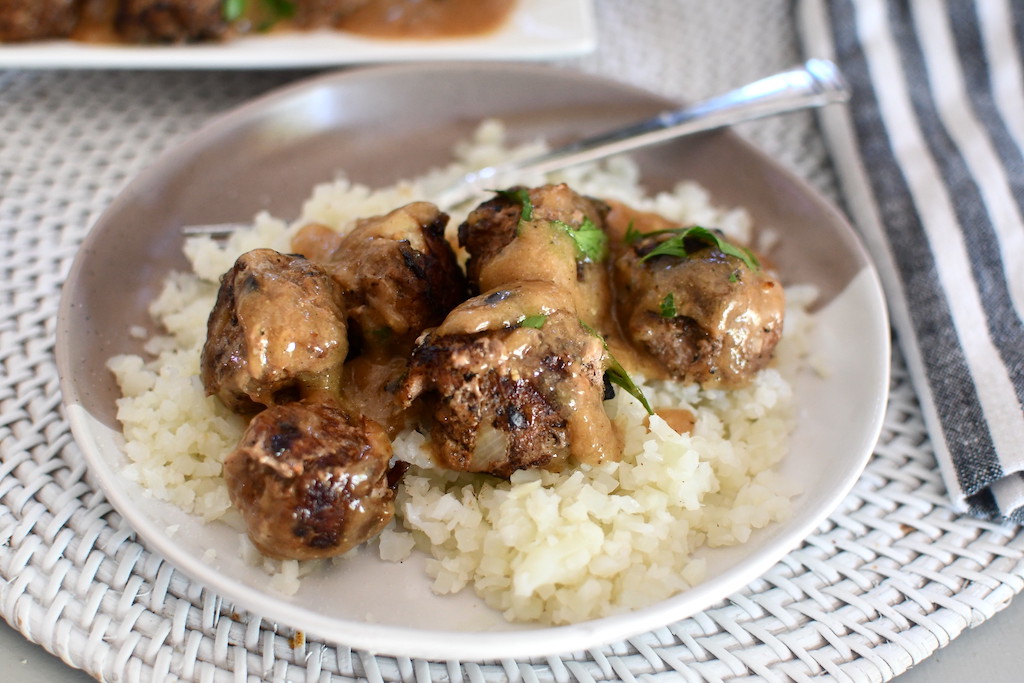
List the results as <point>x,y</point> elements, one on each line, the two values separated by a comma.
<point>930,156</point>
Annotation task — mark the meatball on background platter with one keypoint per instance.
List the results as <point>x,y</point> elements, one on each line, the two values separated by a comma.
<point>192,34</point>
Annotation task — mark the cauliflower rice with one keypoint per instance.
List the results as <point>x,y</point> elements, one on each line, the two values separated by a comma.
<point>549,547</point>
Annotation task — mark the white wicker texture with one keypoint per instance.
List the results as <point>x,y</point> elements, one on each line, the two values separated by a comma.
<point>892,576</point>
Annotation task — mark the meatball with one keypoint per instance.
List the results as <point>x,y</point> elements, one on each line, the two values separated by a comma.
<point>397,273</point>
<point>548,233</point>
<point>707,317</point>
<point>310,480</point>
<point>170,21</point>
<point>488,229</point>
<point>37,19</point>
<point>276,332</point>
<point>513,380</point>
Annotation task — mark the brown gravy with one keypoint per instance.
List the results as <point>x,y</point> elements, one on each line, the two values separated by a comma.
<point>679,419</point>
<point>427,18</point>
<point>96,23</point>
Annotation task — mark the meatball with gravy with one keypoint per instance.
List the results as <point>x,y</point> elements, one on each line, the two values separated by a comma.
<point>36,19</point>
<point>276,332</point>
<point>548,233</point>
<point>170,21</point>
<point>397,273</point>
<point>707,317</point>
<point>513,380</point>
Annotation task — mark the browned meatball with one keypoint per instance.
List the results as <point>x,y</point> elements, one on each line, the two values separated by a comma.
<point>310,480</point>
<point>276,332</point>
<point>513,380</point>
<point>37,19</point>
<point>707,317</point>
<point>170,21</point>
<point>548,233</point>
<point>488,229</point>
<point>398,275</point>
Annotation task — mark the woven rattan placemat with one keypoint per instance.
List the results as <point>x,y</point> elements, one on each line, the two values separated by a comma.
<point>889,578</point>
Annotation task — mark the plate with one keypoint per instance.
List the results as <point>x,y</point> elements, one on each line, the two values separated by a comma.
<point>387,122</point>
<point>537,29</point>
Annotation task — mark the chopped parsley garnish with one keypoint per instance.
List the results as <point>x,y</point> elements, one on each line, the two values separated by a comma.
<point>676,245</point>
<point>522,196</point>
<point>668,306</point>
<point>633,235</point>
<point>276,10</point>
<point>617,374</point>
<point>591,241</point>
<point>232,10</point>
<point>279,9</point>
<point>534,321</point>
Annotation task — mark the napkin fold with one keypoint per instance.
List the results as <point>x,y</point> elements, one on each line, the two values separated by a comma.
<point>930,158</point>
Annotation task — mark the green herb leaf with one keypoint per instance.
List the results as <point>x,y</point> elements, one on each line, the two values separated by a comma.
<point>591,241</point>
<point>534,321</point>
<point>232,10</point>
<point>632,234</point>
<point>734,276</point>
<point>521,195</point>
<point>676,245</point>
<point>281,9</point>
<point>617,374</point>
<point>668,306</point>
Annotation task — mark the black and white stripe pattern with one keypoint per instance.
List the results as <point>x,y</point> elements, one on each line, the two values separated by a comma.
<point>930,154</point>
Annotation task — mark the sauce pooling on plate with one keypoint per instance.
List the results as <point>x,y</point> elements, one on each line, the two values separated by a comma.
<point>427,18</point>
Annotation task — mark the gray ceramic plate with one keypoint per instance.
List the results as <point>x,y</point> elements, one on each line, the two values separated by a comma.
<point>386,123</point>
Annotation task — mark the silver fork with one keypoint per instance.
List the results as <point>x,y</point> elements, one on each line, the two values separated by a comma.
<point>816,83</point>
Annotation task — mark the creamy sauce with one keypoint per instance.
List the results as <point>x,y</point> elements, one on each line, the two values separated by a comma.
<point>679,419</point>
<point>593,438</point>
<point>540,252</point>
<point>427,18</point>
<point>505,307</point>
<point>96,23</point>
<point>543,251</point>
<point>317,242</point>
